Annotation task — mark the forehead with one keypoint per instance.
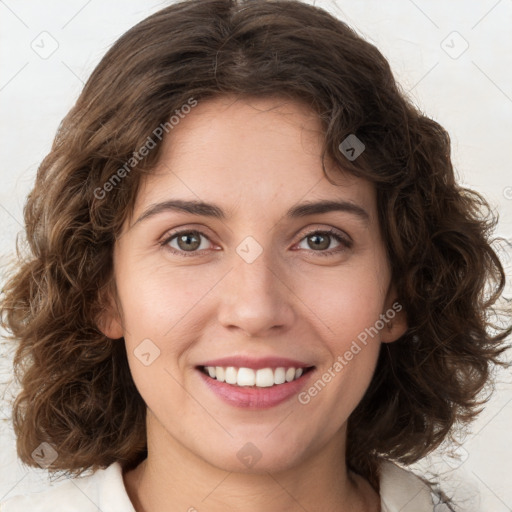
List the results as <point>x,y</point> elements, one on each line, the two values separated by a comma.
<point>249,153</point>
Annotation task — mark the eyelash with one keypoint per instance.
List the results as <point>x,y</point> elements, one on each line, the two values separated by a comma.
<point>345,242</point>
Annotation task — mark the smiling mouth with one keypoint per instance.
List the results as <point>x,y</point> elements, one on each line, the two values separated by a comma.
<point>247,377</point>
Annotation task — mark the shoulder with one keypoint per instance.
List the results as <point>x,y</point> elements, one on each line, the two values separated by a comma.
<point>403,491</point>
<point>103,490</point>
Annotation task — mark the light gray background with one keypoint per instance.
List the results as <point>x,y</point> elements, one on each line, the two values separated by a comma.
<point>469,91</point>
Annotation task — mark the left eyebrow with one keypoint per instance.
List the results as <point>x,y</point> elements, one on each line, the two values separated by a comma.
<point>201,208</point>
<point>326,206</point>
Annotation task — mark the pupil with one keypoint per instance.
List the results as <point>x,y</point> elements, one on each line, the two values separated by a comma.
<point>320,245</point>
<point>186,239</point>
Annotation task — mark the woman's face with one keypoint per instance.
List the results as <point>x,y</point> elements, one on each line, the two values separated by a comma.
<point>250,279</point>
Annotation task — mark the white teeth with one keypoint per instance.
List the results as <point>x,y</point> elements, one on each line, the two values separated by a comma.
<point>290,374</point>
<point>246,377</point>
<point>219,371</point>
<point>262,378</point>
<point>279,376</point>
<point>231,375</point>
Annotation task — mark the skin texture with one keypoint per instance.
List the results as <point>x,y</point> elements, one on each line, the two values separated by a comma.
<point>255,159</point>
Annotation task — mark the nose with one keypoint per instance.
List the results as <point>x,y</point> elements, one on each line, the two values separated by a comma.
<point>256,298</point>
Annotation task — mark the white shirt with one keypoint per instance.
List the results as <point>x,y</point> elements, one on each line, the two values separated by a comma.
<point>400,491</point>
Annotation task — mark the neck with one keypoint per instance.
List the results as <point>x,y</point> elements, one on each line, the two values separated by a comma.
<point>174,479</point>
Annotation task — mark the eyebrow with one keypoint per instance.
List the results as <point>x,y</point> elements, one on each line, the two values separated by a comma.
<point>201,208</point>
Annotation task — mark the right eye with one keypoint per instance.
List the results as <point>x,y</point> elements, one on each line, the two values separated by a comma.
<point>187,242</point>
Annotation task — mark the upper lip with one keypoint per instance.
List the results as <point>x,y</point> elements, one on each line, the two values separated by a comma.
<point>256,363</point>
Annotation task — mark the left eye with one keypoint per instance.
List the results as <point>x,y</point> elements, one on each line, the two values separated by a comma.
<point>322,240</point>
<point>189,242</point>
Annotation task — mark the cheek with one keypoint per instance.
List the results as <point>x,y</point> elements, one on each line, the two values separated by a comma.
<point>163,311</point>
<point>157,299</point>
<point>345,301</point>
<point>346,310</point>
<point>159,326</point>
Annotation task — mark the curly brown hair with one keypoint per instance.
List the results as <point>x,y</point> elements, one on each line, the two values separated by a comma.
<point>76,388</point>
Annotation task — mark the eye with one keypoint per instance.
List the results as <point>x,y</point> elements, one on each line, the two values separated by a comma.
<point>321,240</point>
<point>188,241</point>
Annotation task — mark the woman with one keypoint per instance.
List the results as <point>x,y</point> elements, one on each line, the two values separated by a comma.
<point>254,281</point>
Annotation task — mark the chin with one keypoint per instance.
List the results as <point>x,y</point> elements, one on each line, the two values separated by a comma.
<point>259,456</point>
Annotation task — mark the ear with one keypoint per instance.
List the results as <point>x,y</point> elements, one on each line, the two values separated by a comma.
<point>109,319</point>
<point>394,316</point>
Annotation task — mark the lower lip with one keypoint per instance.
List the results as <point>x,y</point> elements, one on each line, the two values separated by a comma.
<point>255,398</point>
